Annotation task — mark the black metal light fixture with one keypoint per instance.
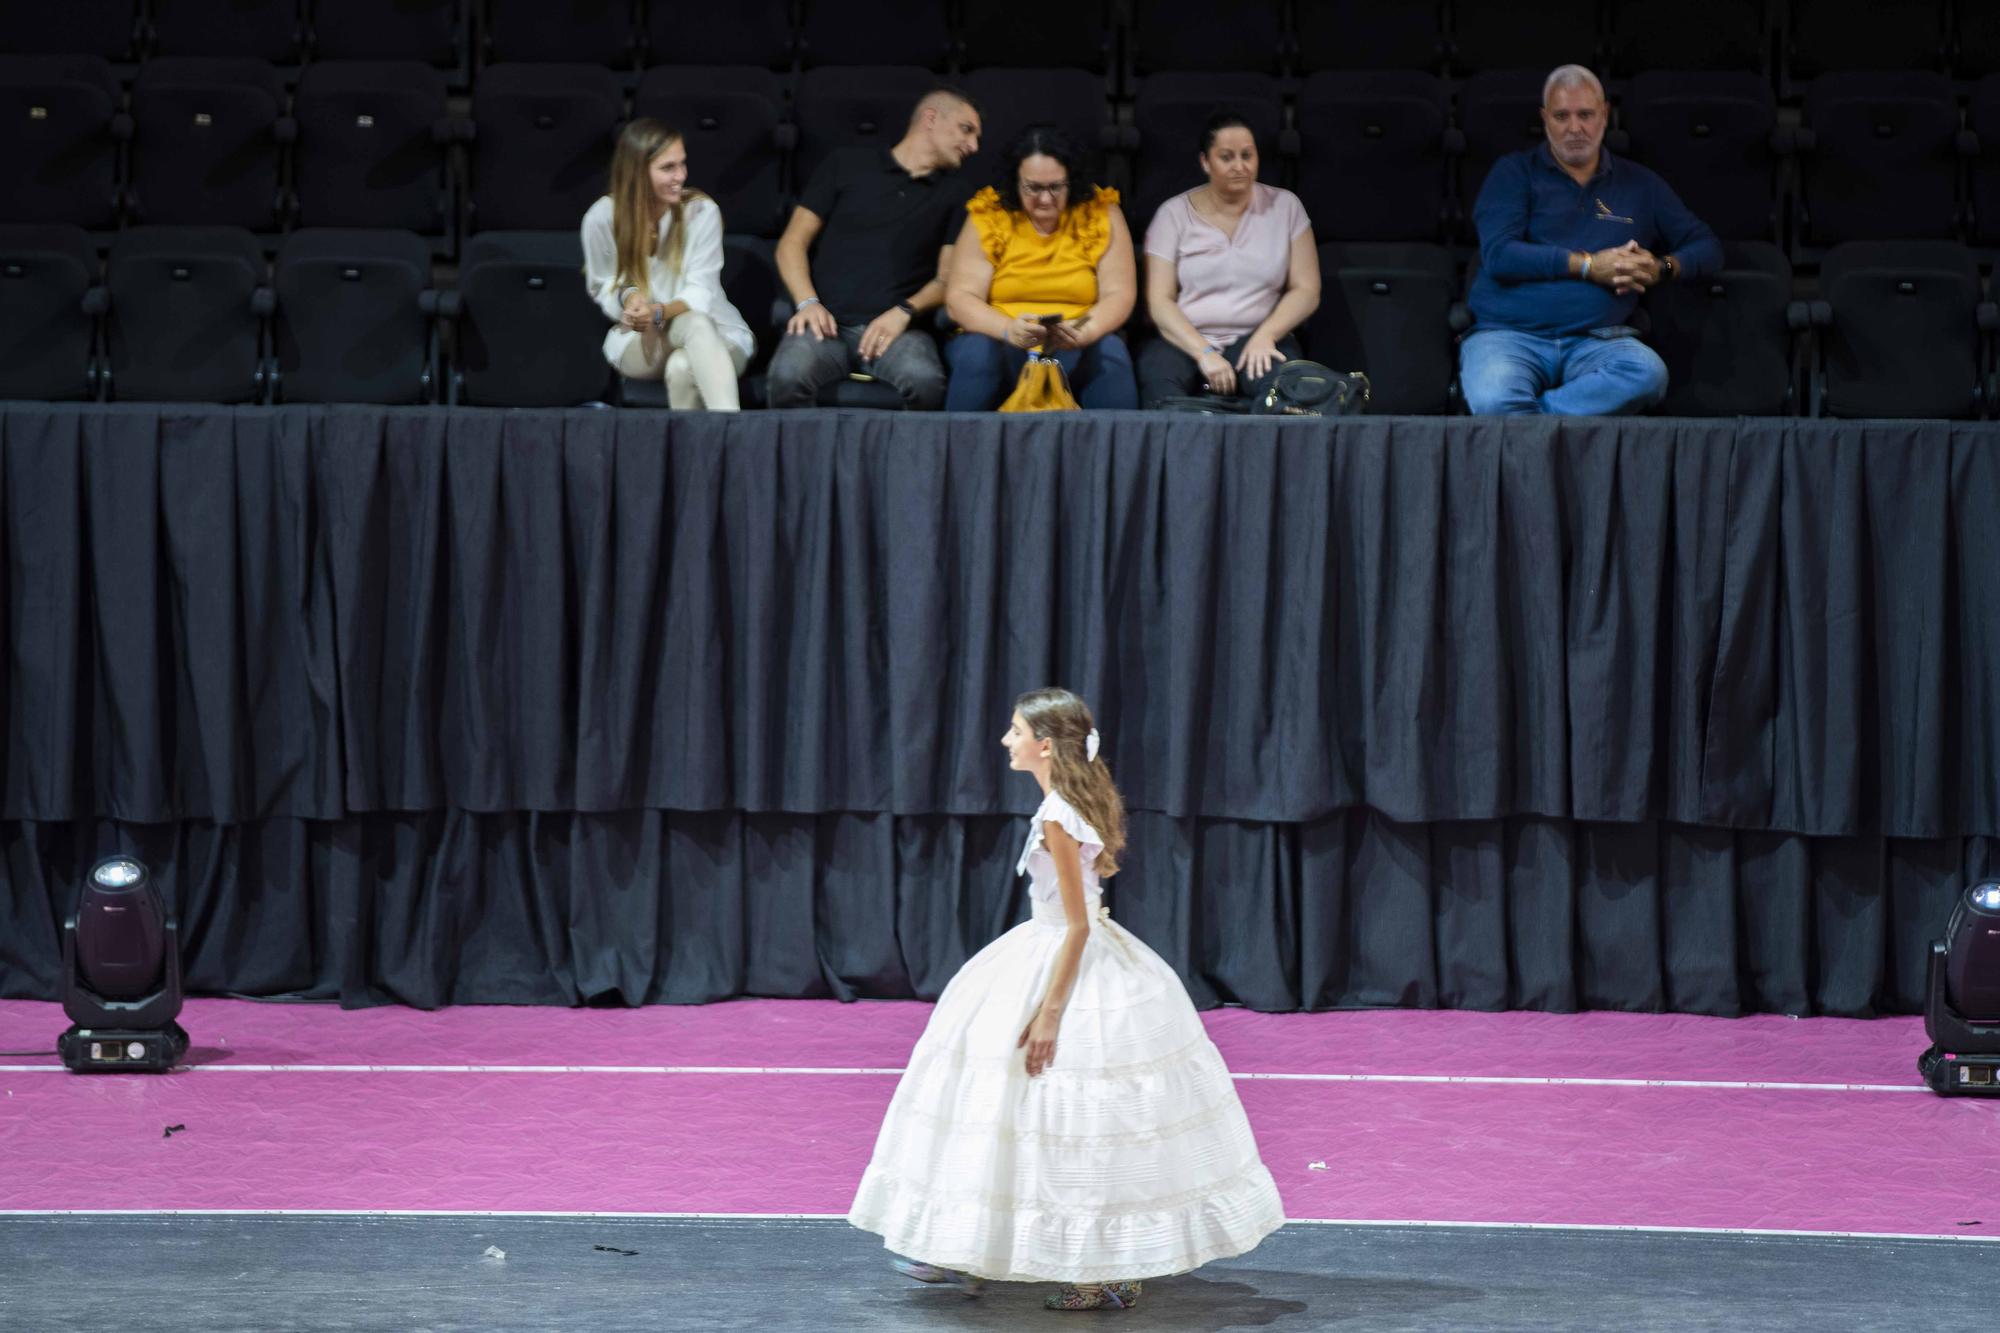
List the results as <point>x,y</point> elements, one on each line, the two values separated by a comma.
<point>1962,1008</point>
<point>121,981</point>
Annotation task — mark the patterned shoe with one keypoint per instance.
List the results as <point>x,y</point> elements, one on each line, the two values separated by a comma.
<point>1108,1296</point>
<point>951,1277</point>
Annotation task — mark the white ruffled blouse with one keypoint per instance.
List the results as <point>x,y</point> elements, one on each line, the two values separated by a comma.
<point>1036,861</point>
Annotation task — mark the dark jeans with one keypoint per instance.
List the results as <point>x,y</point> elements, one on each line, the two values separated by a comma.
<point>1165,371</point>
<point>983,372</point>
<point>802,366</point>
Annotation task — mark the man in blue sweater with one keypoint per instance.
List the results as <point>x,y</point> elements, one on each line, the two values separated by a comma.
<point>1569,236</point>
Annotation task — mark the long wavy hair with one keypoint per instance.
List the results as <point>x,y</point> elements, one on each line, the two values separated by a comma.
<point>634,229</point>
<point>1063,720</point>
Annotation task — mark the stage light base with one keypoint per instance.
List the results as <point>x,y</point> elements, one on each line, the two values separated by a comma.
<point>1950,1074</point>
<point>122,1051</point>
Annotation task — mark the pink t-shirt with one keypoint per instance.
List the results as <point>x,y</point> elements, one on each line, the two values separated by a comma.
<point>1229,284</point>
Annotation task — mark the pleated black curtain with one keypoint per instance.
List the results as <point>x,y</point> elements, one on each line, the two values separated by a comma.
<point>437,707</point>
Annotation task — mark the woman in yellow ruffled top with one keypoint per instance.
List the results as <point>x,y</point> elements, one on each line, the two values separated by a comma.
<point>1046,243</point>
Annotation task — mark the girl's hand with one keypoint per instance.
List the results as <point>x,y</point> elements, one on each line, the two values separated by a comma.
<point>1040,1039</point>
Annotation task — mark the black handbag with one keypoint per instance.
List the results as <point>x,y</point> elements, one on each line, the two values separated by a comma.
<point>1298,388</point>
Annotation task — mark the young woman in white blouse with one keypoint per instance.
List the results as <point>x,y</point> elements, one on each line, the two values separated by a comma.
<point>652,254</point>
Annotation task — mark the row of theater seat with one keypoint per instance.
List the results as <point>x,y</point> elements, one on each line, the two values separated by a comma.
<point>1375,155</point>
<point>1798,38</point>
<point>1900,329</point>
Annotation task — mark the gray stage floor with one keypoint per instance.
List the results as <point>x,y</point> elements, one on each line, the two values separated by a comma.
<point>261,1274</point>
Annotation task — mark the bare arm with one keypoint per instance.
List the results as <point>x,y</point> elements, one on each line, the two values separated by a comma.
<point>1040,1035</point>
<point>1163,291</point>
<point>1301,296</point>
<point>967,287</point>
<point>795,270</point>
<point>890,325</point>
<point>1117,289</point>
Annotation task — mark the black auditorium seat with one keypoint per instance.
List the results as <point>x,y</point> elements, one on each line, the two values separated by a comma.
<point>842,106</point>
<point>1667,34</point>
<point>1195,35</point>
<point>528,334</point>
<point>207,134</point>
<point>186,315</point>
<point>1169,114</point>
<point>432,31</point>
<point>542,140</point>
<point>875,32</point>
<point>353,318</point>
<point>1500,113</point>
<point>372,145</point>
<point>1010,100</point>
<point>1374,154</point>
<point>1901,326</point>
<point>991,33</point>
<point>1728,339</point>
<point>1880,157</point>
<point>1829,35</point>
<point>731,119</point>
<point>1385,309</point>
<point>1713,137</point>
<point>588,31</point>
<point>1506,34</point>
<point>60,126</point>
<point>247,29</point>
<point>49,302</point>
<point>1367,34</point>
<point>742,32</point>
<point>106,28</point>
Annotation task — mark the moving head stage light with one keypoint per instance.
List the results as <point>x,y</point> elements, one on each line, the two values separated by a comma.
<point>1962,1010</point>
<point>121,979</point>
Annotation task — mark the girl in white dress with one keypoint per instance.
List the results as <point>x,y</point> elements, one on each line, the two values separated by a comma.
<point>1064,1116</point>
<point>652,256</point>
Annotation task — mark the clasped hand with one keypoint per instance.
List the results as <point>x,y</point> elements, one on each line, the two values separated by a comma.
<point>638,312</point>
<point>1626,269</point>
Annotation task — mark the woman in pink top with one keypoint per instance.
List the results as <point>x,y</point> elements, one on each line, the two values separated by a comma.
<point>1231,270</point>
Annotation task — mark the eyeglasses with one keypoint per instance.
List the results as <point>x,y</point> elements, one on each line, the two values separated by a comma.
<point>1045,190</point>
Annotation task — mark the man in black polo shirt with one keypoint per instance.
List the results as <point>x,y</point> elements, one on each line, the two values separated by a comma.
<point>883,221</point>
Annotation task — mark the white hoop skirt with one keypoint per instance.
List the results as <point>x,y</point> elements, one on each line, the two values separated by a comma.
<point>1130,1157</point>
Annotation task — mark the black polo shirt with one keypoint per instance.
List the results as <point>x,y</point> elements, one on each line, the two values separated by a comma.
<point>882,229</point>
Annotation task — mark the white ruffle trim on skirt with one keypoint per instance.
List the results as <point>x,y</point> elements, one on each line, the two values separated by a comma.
<point>1130,1157</point>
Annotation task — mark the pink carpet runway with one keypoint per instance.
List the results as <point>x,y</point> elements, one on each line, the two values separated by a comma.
<point>771,1107</point>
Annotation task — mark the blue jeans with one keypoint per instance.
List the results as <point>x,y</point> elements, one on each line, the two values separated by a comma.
<point>1577,375</point>
<point>983,371</point>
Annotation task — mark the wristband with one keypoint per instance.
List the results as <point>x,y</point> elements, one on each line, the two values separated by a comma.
<point>907,308</point>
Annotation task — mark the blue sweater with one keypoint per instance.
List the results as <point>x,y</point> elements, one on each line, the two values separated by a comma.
<point>1532,215</point>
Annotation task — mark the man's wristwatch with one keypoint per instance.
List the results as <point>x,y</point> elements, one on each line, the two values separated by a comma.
<point>1668,268</point>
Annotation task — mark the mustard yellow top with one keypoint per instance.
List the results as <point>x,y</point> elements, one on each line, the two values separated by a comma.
<point>1035,274</point>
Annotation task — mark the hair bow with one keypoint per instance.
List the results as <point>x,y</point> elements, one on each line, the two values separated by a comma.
<point>1090,744</point>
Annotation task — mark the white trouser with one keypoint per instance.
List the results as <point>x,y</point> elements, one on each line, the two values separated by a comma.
<point>701,366</point>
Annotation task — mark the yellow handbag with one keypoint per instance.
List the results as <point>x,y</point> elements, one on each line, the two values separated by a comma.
<point>1042,387</point>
